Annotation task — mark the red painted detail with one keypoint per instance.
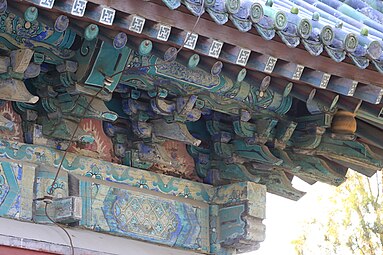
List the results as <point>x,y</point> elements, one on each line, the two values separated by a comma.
<point>181,165</point>
<point>7,250</point>
<point>16,134</point>
<point>101,148</point>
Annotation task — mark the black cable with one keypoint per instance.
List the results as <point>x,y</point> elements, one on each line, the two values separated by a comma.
<point>71,140</point>
<point>58,225</point>
<point>50,191</point>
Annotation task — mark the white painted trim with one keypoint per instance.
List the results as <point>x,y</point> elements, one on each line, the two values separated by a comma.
<point>50,238</point>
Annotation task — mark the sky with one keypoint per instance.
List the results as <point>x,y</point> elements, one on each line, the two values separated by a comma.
<point>285,218</point>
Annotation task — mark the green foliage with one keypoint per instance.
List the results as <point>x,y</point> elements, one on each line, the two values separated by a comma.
<point>350,222</point>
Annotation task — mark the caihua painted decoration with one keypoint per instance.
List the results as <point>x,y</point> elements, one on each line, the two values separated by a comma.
<point>178,147</point>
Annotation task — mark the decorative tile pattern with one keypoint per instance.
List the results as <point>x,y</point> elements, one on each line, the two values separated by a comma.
<point>243,57</point>
<point>325,79</point>
<point>164,33</point>
<point>47,3</point>
<point>190,41</point>
<point>78,7</point>
<point>16,194</point>
<point>298,72</point>
<point>156,219</point>
<point>245,14</point>
<point>215,49</point>
<point>270,64</point>
<point>137,24</point>
<point>107,16</point>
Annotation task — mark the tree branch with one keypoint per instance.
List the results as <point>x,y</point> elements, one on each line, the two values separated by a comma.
<point>358,246</point>
<point>377,184</point>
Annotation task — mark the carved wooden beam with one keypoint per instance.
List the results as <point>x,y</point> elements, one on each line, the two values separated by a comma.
<point>206,28</point>
<point>134,24</point>
<point>352,154</point>
<point>15,90</point>
<point>318,169</point>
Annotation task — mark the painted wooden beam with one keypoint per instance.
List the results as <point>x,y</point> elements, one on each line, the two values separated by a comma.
<point>208,28</point>
<point>259,80</point>
<point>249,41</point>
<point>282,87</point>
<point>228,53</point>
<point>315,78</point>
<point>262,63</point>
<point>326,98</point>
<point>375,110</point>
<point>342,86</point>
<point>370,133</point>
<point>288,70</point>
<point>214,67</point>
<point>234,54</point>
<point>369,93</point>
<point>15,90</point>
<point>349,103</point>
<point>302,92</point>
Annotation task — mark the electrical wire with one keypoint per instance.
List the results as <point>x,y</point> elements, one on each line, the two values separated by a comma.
<point>58,225</point>
<point>71,140</point>
<point>51,190</point>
